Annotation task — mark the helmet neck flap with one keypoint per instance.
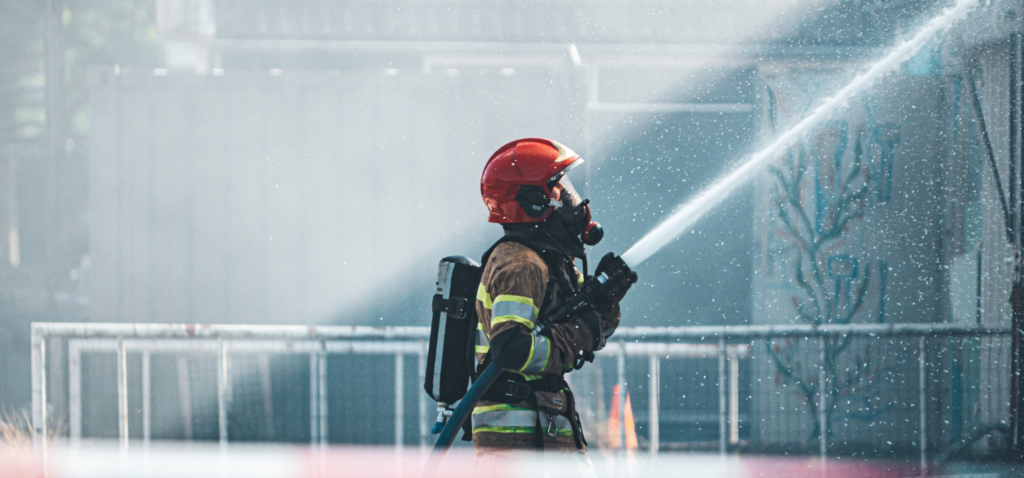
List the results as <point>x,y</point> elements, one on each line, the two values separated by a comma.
<point>548,236</point>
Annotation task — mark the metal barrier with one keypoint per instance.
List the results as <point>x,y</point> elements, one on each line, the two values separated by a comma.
<point>727,344</point>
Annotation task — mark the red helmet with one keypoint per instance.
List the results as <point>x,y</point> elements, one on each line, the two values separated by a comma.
<point>517,180</point>
<point>518,186</point>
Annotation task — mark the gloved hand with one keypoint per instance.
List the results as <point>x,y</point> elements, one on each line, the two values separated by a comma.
<point>620,279</point>
<point>592,321</point>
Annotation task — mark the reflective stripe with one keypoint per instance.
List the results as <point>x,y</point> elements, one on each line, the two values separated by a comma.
<point>511,318</point>
<point>529,356</point>
<point>565,153</point>
<point>517,299</point>
<point>497,408</point>
<point>559,431</point>
<point>540,351</point>
<point>504,418</point>
<point>513,308</point>
<point>579,279</point>
<point>481,336</point>
<point>483,344</point>
<point>483,296</point>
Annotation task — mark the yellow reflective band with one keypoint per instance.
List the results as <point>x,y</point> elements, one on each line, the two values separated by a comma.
<point>564,153</point>
<point>480,326</point>
<point>517,298</point>
<point>558,431</point>
<point>529,357</point>
<point>505,429</point>
<point>501,407</point>
<point>546,358</point>
<point>540,350</point>
<point>483,296</point>
<point>579,279</point>
<point>511,318</point>
<point>482,349</point>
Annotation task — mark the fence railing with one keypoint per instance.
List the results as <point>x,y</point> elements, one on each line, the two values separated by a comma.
<point>726,344</point>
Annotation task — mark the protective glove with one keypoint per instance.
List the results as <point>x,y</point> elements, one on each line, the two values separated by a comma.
<point>620,279</point>
<point>593,323</point>
<point>610,318</point>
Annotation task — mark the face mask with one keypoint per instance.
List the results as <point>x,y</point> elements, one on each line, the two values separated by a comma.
<point>574,214</point>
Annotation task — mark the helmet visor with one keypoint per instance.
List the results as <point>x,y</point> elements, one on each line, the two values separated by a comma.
<point>569,198</point>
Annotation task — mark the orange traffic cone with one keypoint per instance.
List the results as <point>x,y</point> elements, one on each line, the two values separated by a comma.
<point>613,421</point>
<point>631,443</point>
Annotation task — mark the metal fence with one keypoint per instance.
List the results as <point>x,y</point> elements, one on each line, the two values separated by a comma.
<point>757,404</point>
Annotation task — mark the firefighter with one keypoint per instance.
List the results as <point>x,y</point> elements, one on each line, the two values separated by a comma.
<point>526,275</point>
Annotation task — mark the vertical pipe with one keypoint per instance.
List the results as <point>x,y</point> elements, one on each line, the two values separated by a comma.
<point>56,393</point>
<point>39,392</point>
<point>222,393</point>
<point>1017,88</point>
<point>322,387</point>
<point>263,362</point>
<point>146,398</point>
<point>185,396</point>
<point>1015,147</point>
<point>654,390</point>
<point>622,394</point>
<point>822,399</point>
<point>721,396</point>
<point>421,364</point>
<point>122,394</point>
<point>399,399</point>
<point>923,406</point>
<point>1016,354</point>
<point>956,390</point>
<point>1012,176</point>
<point>734,399</point>
<point>74,391</point>
<point>314,394</point>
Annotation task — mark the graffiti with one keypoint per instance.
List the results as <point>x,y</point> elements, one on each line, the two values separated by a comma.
<point>885,137</point>
<point>823,187</point>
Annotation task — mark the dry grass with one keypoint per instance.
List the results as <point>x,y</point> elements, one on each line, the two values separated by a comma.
<point>14,428</point>
<point>17,459</point>
<point>15,445</point>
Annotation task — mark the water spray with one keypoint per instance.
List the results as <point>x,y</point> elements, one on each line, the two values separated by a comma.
<point>689,212</point>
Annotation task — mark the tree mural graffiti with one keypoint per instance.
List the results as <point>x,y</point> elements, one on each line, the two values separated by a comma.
<point>823,188</point>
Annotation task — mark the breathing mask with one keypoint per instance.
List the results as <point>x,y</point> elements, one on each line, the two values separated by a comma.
<point>572,211</point>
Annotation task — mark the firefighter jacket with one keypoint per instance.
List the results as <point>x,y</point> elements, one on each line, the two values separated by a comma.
<point>512,290</point>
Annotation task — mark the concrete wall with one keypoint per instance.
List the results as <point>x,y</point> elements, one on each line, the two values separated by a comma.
<point>296,198</point>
